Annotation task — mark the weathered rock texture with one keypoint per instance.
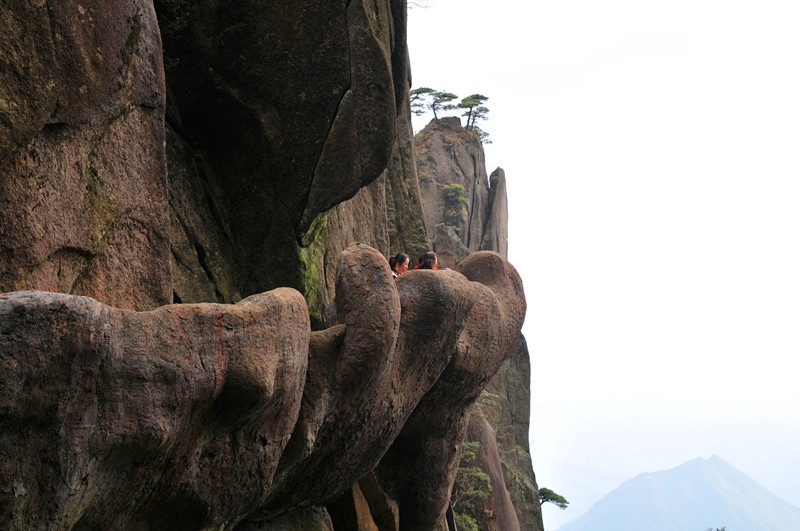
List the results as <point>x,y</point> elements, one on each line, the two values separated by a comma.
<point>255,164</point>
<point>495,232</point>
<point>288,137</point>
<point>201,415</point>
<point>173,418</point>
<point>311,519</point>
<point>420,467</point>
<point>501,516</point>
<point>83,190</point>
<point>507,410</point>
<point>448,155</point>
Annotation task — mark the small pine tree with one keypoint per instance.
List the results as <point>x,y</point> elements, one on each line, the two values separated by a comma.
<point>454,204</point>
<point>472,487</point>
<point>418,99</point>
<point>473,105</point>
<point>426,99</point>
<point>548,496</point>
<point>441,101</point>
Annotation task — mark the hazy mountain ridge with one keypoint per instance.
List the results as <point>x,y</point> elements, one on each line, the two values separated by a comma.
<point>583,486</point>
<point>698,494</point>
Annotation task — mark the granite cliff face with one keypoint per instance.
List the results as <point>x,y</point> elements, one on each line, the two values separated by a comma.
<point>450,155</point>
<point>263,162</point>
<point>234,187</point>
<point>506,412</point>
<point>464,210</point>
<point>83,193</point>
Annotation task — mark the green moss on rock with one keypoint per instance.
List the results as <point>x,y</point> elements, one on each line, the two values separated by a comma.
<point>311,254</point>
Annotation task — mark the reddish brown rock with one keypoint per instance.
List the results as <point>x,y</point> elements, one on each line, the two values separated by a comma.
<point>499,514</point>
<point>367,374</point>
<point>507,410</point>
<point>448,154</point>
<point>182,416</point>
<point>311,519</point>
<point>419,469</point>
<point>83,204</point>
<point>170,418</point>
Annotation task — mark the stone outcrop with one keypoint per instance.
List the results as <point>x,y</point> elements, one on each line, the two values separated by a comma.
<point>502,516</point>
<point>173,418</point>
<point>203,415</point>
<point>507,412</point>
<point>83,194</point>
<point>495,232</point>
<point>263,163</point>
<point>464,210</point>
<point>450,155</point>
<point>419,469</point>
<point>287,138</point>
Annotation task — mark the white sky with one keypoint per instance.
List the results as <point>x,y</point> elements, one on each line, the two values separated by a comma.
<point>652,151</point>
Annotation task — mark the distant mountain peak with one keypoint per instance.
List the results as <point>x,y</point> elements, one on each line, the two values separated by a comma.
<point>698,494</point>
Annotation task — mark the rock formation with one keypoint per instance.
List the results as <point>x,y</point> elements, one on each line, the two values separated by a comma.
<point>502,516</point>
<point>170,418</point>
<point>287,137</point>
<point>464,210</point>
<point>507,412</point>
<point>83,193</point>
<point>201,415</point>
<point>495,231</point>
<point>256,166</point>
<point>450,155</point>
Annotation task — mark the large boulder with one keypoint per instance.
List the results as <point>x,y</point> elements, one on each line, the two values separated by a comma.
<point>173,418</point>
<point>367,374</point>
<point>419,469</point>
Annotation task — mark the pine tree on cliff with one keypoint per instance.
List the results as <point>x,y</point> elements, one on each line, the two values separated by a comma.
<point>474,108</point>
<point>418,98</point>
<point>441,101</point>
<point>548,496</point>
<point>425,99</point>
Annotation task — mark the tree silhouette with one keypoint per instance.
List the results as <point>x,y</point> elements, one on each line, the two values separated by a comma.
<point>425,99</point>
<point>474,108</point>
<point>548,496</point>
